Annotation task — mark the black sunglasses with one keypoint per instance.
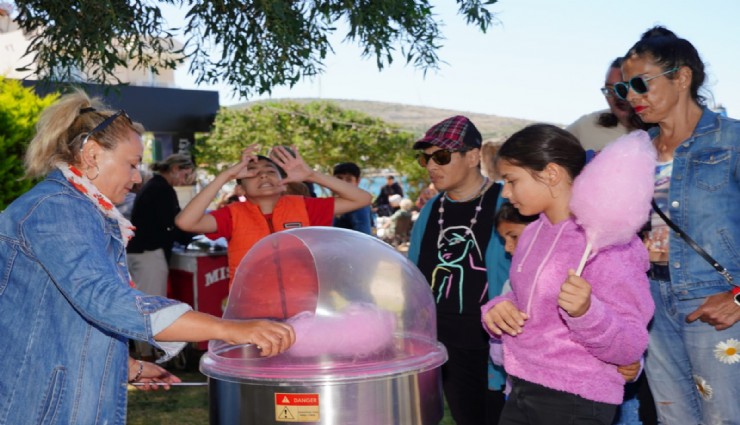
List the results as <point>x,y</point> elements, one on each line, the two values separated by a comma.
<point>441,157</point>
<point>105,123</point>
<point>639,84</point>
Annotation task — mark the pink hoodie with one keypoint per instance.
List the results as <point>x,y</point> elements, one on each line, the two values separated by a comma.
<point>576,355</point>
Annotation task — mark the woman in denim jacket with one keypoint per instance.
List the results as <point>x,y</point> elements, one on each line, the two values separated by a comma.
<point>68,306</point>
<point>693,359</point>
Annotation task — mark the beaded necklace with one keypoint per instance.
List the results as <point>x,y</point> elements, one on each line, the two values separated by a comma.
<point>481,193</point>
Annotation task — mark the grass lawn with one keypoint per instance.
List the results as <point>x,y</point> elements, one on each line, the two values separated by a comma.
<point>182,405</point>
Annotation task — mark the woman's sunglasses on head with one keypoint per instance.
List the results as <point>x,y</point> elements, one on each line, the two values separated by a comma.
<point>105,123</point>
<point>637,84</point>
<point>441,157</point>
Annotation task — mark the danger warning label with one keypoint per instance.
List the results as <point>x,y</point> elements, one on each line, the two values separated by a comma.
<point>294,407</point>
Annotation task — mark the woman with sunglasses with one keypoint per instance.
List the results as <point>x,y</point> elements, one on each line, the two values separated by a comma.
<point>68,306</point>
<point>597,129</point>
<point>693,360</point>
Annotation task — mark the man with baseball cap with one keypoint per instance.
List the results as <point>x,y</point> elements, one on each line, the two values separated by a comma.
<point>455,246</point>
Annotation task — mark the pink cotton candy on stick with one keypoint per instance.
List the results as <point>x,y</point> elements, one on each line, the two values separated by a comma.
<point>358,331</point>
<point>611,197</point>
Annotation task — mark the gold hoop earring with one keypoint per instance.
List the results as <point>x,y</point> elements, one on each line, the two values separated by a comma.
<point>97,169</point>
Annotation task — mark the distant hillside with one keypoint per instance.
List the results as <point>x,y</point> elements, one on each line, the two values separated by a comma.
<point>418,119</point>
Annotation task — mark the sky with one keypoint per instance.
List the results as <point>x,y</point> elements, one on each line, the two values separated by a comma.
<point>543,60</point>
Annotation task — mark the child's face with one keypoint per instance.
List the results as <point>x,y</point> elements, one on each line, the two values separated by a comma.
<point>526,193</point>
<point>266,182</point>
<point>510,232</point>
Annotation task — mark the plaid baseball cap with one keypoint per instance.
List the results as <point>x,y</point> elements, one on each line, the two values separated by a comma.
<point>454,133</point>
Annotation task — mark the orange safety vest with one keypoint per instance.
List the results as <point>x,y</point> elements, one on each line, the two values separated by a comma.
<point>281,293</point>
<point>249,225</point>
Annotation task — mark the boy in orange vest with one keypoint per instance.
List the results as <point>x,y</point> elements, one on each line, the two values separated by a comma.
<point>267,209</point>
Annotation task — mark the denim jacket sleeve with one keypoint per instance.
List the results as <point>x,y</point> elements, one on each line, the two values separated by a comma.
<point>84,255</point>
<point>703,200</point>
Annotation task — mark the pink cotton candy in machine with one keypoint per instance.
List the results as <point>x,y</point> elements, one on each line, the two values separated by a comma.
<point>366,350</point>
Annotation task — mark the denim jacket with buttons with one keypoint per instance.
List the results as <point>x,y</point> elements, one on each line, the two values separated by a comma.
<point>67,310</point>
<point>704,201</point>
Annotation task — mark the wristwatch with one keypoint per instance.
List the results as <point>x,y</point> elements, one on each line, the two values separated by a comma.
<point>736,293</point>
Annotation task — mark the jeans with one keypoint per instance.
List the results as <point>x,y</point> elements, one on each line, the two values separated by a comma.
<point>533,404</point>
<point>692,380</point>
<point>628,412</point>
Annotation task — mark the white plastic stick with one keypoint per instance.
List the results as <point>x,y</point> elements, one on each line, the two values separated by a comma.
<point>586,253</point>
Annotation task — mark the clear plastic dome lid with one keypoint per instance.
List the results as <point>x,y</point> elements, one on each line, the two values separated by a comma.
<point>360,309</point>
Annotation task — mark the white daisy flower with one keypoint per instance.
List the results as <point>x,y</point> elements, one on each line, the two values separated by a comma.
<point>704,389</point>
<point>728,352</point>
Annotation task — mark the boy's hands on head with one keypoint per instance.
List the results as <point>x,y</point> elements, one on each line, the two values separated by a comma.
<point>505,317</point>
<point>292,163</point>
<point>575,295</point>
<point>241,170</point>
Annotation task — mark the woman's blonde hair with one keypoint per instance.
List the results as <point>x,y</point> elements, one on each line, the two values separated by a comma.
<point>63,126</point>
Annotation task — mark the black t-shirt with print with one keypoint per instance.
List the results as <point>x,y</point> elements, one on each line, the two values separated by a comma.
<point>454,266</point>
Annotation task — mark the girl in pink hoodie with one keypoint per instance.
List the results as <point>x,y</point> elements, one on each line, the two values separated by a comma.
<point>564,335</point>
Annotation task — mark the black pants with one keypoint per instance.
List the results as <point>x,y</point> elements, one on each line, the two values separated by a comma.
<point>465,384</point>
<point>532,404</point>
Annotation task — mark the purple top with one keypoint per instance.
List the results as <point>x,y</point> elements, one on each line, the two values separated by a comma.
<point>576,355</point>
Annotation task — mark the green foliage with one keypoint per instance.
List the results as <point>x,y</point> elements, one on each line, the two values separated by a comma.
<point>251,45</point>
<point>90,38</point>
<point>19,111</point>
<point>180,405</point>
<point>323,133</point>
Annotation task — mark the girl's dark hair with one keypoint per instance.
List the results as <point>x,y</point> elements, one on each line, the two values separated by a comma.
<point>507,213</point>
<point>537,145</point>
<point>669,51</point>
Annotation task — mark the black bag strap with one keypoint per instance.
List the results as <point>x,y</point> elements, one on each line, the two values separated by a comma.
<point>717,266</point>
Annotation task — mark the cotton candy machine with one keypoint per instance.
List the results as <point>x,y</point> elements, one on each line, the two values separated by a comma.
<point>366,351</point>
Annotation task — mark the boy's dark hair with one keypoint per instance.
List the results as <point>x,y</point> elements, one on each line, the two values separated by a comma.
<point>280,170</point>
<point>508,213</point>
<point>347,168</point>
